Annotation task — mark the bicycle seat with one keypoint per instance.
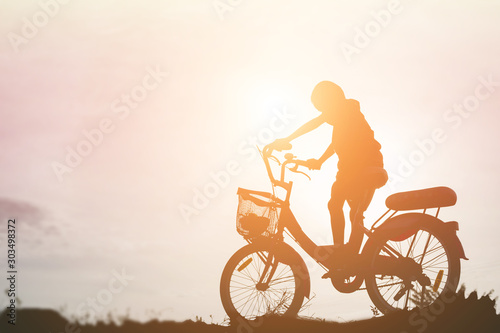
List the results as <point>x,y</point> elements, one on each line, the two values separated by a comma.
<point>422,199</point>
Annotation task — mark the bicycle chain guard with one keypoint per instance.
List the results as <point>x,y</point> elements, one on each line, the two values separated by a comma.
<point>346,283</point>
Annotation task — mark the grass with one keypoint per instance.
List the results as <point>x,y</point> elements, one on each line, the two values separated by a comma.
<point>464,314</point>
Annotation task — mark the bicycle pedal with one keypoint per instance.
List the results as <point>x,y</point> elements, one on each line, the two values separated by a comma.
<point>331,273</point>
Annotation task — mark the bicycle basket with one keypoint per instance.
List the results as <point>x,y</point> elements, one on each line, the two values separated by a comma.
<point>258,214</point>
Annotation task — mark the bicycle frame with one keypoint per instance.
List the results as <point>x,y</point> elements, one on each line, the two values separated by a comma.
<point>287,219</point>
<point>321,253</point>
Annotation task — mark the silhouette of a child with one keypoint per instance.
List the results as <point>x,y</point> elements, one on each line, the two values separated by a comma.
<point>360,165</point>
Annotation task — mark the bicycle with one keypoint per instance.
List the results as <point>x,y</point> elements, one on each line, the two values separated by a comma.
<point>408,260</point>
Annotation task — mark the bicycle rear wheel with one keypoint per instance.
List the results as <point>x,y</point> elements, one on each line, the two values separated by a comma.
<point>437,263</point>
<point>243,296</point>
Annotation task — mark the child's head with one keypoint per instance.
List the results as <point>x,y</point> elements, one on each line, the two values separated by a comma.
<point>328,97</point>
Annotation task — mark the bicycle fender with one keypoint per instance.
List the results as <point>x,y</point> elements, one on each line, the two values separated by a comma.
<point>291,256</point>
<point>407,222</point>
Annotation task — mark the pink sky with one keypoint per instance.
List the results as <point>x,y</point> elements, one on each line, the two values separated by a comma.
<point>227,78</point>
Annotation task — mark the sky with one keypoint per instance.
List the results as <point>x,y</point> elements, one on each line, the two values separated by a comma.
<point>116,115</point>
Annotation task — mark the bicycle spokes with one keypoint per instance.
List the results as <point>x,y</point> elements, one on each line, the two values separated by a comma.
<point>261,285</point>
<point>410,273</point>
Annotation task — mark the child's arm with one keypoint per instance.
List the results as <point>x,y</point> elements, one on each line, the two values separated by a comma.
<point>317,163</point>
<point>306,128</point>
<point>327,154</point>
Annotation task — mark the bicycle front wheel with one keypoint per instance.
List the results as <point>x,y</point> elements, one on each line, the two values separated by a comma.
<point>438,266</point>
<point>256,282</point>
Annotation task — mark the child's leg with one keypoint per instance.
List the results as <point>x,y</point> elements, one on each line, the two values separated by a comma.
<point>358,203</point>
<point>335,206</point>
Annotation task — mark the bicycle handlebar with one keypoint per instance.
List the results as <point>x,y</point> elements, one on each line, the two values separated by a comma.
<point>289,159</point>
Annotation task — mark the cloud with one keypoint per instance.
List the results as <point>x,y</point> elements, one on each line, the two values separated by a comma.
<point>22,212</point>
<point>32,222</point>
